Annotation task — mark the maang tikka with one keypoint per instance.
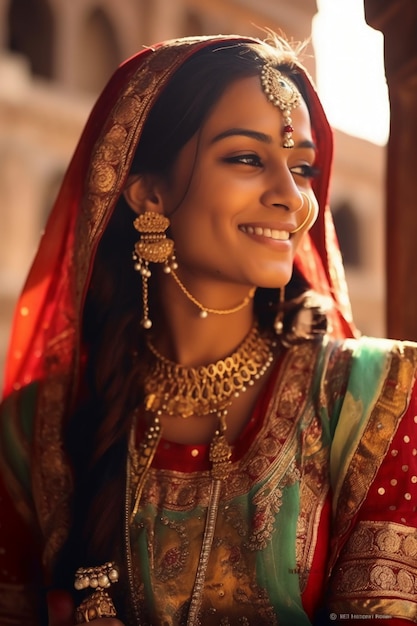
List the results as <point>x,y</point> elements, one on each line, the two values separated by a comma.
<point>153,247</point>
<point>283,94</point>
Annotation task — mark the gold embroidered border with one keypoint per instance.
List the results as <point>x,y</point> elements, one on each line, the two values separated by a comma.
<point>375,442</point>
<point>313,491</point>
<point>52,480</point>
<point>314,483</point>
<point>377,571</point>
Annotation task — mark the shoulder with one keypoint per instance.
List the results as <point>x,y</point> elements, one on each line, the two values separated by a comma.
<point>367,351</point>
<point>387,360</point>
<point>362,369</point>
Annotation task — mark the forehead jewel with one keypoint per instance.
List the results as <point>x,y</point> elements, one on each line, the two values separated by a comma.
<point>283,94</point>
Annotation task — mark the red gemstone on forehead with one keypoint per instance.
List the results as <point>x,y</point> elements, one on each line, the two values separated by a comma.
<point>288,129</point>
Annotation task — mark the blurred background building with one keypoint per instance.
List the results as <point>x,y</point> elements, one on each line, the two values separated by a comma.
<point>56,55</point>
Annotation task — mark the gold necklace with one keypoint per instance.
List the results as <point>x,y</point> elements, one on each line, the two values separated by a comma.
<point>173,389</point>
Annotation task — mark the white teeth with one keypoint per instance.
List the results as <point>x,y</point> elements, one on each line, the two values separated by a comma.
<point>280,234</point>
<point>277,235</point>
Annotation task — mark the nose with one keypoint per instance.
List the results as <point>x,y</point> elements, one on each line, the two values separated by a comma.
<point>282,191</point>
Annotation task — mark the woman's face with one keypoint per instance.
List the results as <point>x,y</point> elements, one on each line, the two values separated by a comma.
<point>233,197</point>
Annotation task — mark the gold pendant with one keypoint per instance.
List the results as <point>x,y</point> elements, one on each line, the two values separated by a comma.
<point>220,454</point>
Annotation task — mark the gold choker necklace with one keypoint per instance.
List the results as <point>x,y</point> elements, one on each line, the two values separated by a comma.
<point>173,389</point>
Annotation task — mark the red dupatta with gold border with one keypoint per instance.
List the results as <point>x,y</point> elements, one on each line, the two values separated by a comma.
<point>45,342</point>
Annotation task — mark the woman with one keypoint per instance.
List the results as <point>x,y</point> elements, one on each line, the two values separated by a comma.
<point>183,442</point>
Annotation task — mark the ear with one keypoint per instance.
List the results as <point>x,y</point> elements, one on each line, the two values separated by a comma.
<point>142,194</point>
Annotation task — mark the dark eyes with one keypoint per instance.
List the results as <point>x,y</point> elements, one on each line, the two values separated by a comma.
<point>245,159</point>
<point>304,169</point>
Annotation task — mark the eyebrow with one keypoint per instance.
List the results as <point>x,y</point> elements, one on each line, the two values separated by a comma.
<point>245,132</point>
<point>255,134</point>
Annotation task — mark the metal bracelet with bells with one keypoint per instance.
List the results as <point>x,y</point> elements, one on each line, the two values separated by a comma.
<point>98,604</point>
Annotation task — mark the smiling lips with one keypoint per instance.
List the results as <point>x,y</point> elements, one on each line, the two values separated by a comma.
<point>269,233</point>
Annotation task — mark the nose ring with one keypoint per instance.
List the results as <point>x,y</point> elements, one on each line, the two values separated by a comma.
<point>309,212</point>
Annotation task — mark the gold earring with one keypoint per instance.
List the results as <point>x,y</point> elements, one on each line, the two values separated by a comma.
<point>309,212</point>
<point>153,247</point>
<point>279,319</point>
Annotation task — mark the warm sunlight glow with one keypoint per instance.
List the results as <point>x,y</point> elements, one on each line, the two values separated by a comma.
<point>350,70</point>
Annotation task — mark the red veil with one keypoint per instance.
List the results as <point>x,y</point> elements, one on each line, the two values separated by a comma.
<point>44,345</point>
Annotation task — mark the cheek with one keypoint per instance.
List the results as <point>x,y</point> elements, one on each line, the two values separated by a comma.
<point>209,214</point>
<point>200,209</point>
<point>202,233</point>
<point>189,226</point>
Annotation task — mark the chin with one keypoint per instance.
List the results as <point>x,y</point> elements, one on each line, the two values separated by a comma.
<point>272,275</point>
<point>275,280</point>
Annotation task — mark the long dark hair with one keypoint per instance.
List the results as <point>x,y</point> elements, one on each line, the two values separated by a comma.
<point>96,437</point>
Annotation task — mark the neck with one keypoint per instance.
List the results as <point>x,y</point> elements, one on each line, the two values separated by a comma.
<point>185,337</point>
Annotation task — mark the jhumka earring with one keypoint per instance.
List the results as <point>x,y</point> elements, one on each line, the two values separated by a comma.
<point>283,94</point>
<point>153,247</point>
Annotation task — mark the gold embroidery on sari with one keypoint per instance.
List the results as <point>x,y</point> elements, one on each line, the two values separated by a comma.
<point>377,571</point>
<point>173,559</point>
<point>272,462</point>
<point>52,481</point>
<point>288,408</point>
<point>314,483</point>
<point>314,487</point>
<point>172,547</point>
<point>376,439</point>
<point>112,154</point>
